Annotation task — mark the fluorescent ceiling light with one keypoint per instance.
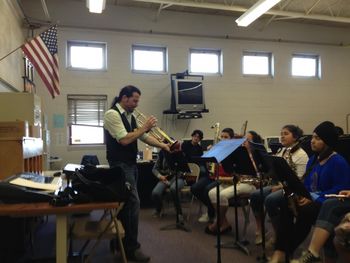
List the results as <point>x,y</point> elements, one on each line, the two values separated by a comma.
<point>96,6</point>
<point>255,12</point>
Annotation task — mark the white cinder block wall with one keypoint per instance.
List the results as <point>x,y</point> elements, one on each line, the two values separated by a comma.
<point>267,103</point>
<point>11,37</point>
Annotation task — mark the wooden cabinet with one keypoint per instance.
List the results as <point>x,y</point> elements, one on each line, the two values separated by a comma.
<point>20,155</point>
<point>20,117</point>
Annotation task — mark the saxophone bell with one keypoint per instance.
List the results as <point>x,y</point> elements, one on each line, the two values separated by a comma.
<point>215,125</point>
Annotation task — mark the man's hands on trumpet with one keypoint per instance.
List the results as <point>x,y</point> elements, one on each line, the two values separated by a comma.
<point>149,123</point>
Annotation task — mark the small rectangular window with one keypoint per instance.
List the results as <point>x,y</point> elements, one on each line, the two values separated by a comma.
<point>85,118</point>
<point>86,55</point>
<point>257,63</point>
<point>149,59</point>
<point>306,65</point>
<point>205,61</point>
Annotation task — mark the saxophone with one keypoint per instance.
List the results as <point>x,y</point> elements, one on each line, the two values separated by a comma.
<point>291,197</point>
<point>288,156</point>
<point>216,126</point>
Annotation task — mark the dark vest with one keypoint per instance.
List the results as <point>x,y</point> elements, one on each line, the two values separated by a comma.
<point>117,151</point>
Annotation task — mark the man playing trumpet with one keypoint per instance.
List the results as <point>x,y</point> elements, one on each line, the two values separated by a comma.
<point>121,133</point>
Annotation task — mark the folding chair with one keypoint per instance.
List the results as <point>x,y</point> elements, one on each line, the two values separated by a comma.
<point>107,227</point>
<point>243,202</point>
<point>195,170</point>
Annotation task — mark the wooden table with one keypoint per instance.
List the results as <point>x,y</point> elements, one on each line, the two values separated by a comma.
<point>62,213</point>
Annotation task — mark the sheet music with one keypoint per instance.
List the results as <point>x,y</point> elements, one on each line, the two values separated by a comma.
<point>222,149</point>
<point>40,186</point>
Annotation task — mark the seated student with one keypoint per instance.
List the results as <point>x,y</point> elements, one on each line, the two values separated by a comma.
<point>273,196</point>
<point>206,182</point>
<point>227,189</point>
<point>166,176</point>
<point>327,173</point>
<point>331,213</point>
<point>193,149</point>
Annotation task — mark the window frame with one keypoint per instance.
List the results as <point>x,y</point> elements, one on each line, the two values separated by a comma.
<point>142,47</point>
<point>267,54</point>
<point>82,43</point>
<point>317,65</point>
<point>217,52</point>
<point>72,120</point>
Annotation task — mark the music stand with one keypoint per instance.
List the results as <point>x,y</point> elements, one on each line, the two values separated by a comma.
<point>178,164</point>
<point>291,183</point>
<point>283,173</point>
<point>261,166</point>
<point>238,162</point>
<point>217,154</point>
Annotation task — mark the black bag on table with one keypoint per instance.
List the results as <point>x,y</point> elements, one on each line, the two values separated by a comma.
<point>92,184</point>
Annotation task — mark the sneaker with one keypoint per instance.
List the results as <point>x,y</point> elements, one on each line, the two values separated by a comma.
<point>181,219</point>
<point>137,256</point>
<point>258,239</point>
<point>307,257</point>
<point>204,218</point>
<point>157,214</point>
<point>270,244</point>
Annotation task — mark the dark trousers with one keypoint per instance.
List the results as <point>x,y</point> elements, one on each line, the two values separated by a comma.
<point>129,215</point>
<point>291,230</point>
<point>201,189</point>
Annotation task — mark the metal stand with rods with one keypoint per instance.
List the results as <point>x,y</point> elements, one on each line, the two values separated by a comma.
<point>237,244</point>
<point>179,224</point>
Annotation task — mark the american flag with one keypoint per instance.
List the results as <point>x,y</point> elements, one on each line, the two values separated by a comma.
<point>42,53</point>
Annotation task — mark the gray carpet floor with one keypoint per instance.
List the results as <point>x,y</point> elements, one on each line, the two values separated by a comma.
<point>170,246</point>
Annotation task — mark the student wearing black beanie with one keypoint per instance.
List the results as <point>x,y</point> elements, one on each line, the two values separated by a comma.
<point>326,173</point>
<point>327,132</point>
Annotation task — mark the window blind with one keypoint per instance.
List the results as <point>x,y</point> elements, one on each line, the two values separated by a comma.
<point>86,109</point>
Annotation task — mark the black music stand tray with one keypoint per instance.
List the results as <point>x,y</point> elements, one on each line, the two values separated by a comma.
<point>282,172</point>
<point>216,155</point>
<point>238,162</point>
<point>178,164</point>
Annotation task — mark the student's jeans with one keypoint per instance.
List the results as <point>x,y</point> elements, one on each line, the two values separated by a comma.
<point>331,213</point>
<point>159,189</point>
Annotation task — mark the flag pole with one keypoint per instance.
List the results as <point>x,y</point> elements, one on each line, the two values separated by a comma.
<point>10,53</point>
<point>19,47</point>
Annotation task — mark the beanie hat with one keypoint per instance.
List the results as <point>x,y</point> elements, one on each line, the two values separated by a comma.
<point>327,132</point>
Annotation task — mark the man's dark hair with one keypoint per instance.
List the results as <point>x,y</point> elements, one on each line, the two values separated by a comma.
<point>199,132</point>
<point>230,132</point>
<point>126,91</point>
<point>256,137</point>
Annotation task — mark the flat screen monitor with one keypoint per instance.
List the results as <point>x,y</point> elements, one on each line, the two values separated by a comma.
<point>189,95</point>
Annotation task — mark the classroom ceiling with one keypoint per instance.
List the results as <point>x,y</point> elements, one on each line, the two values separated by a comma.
<point>335,13</point>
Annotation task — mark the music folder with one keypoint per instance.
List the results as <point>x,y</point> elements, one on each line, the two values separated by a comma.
<point>221,150</point>
<point>36,181</point>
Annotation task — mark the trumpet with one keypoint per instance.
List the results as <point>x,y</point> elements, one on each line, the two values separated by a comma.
<point>155,132</point>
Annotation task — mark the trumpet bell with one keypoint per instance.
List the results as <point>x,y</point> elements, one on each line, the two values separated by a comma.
<point>156,132</point>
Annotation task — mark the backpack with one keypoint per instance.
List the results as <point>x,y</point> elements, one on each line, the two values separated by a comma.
<point>91,184</point>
